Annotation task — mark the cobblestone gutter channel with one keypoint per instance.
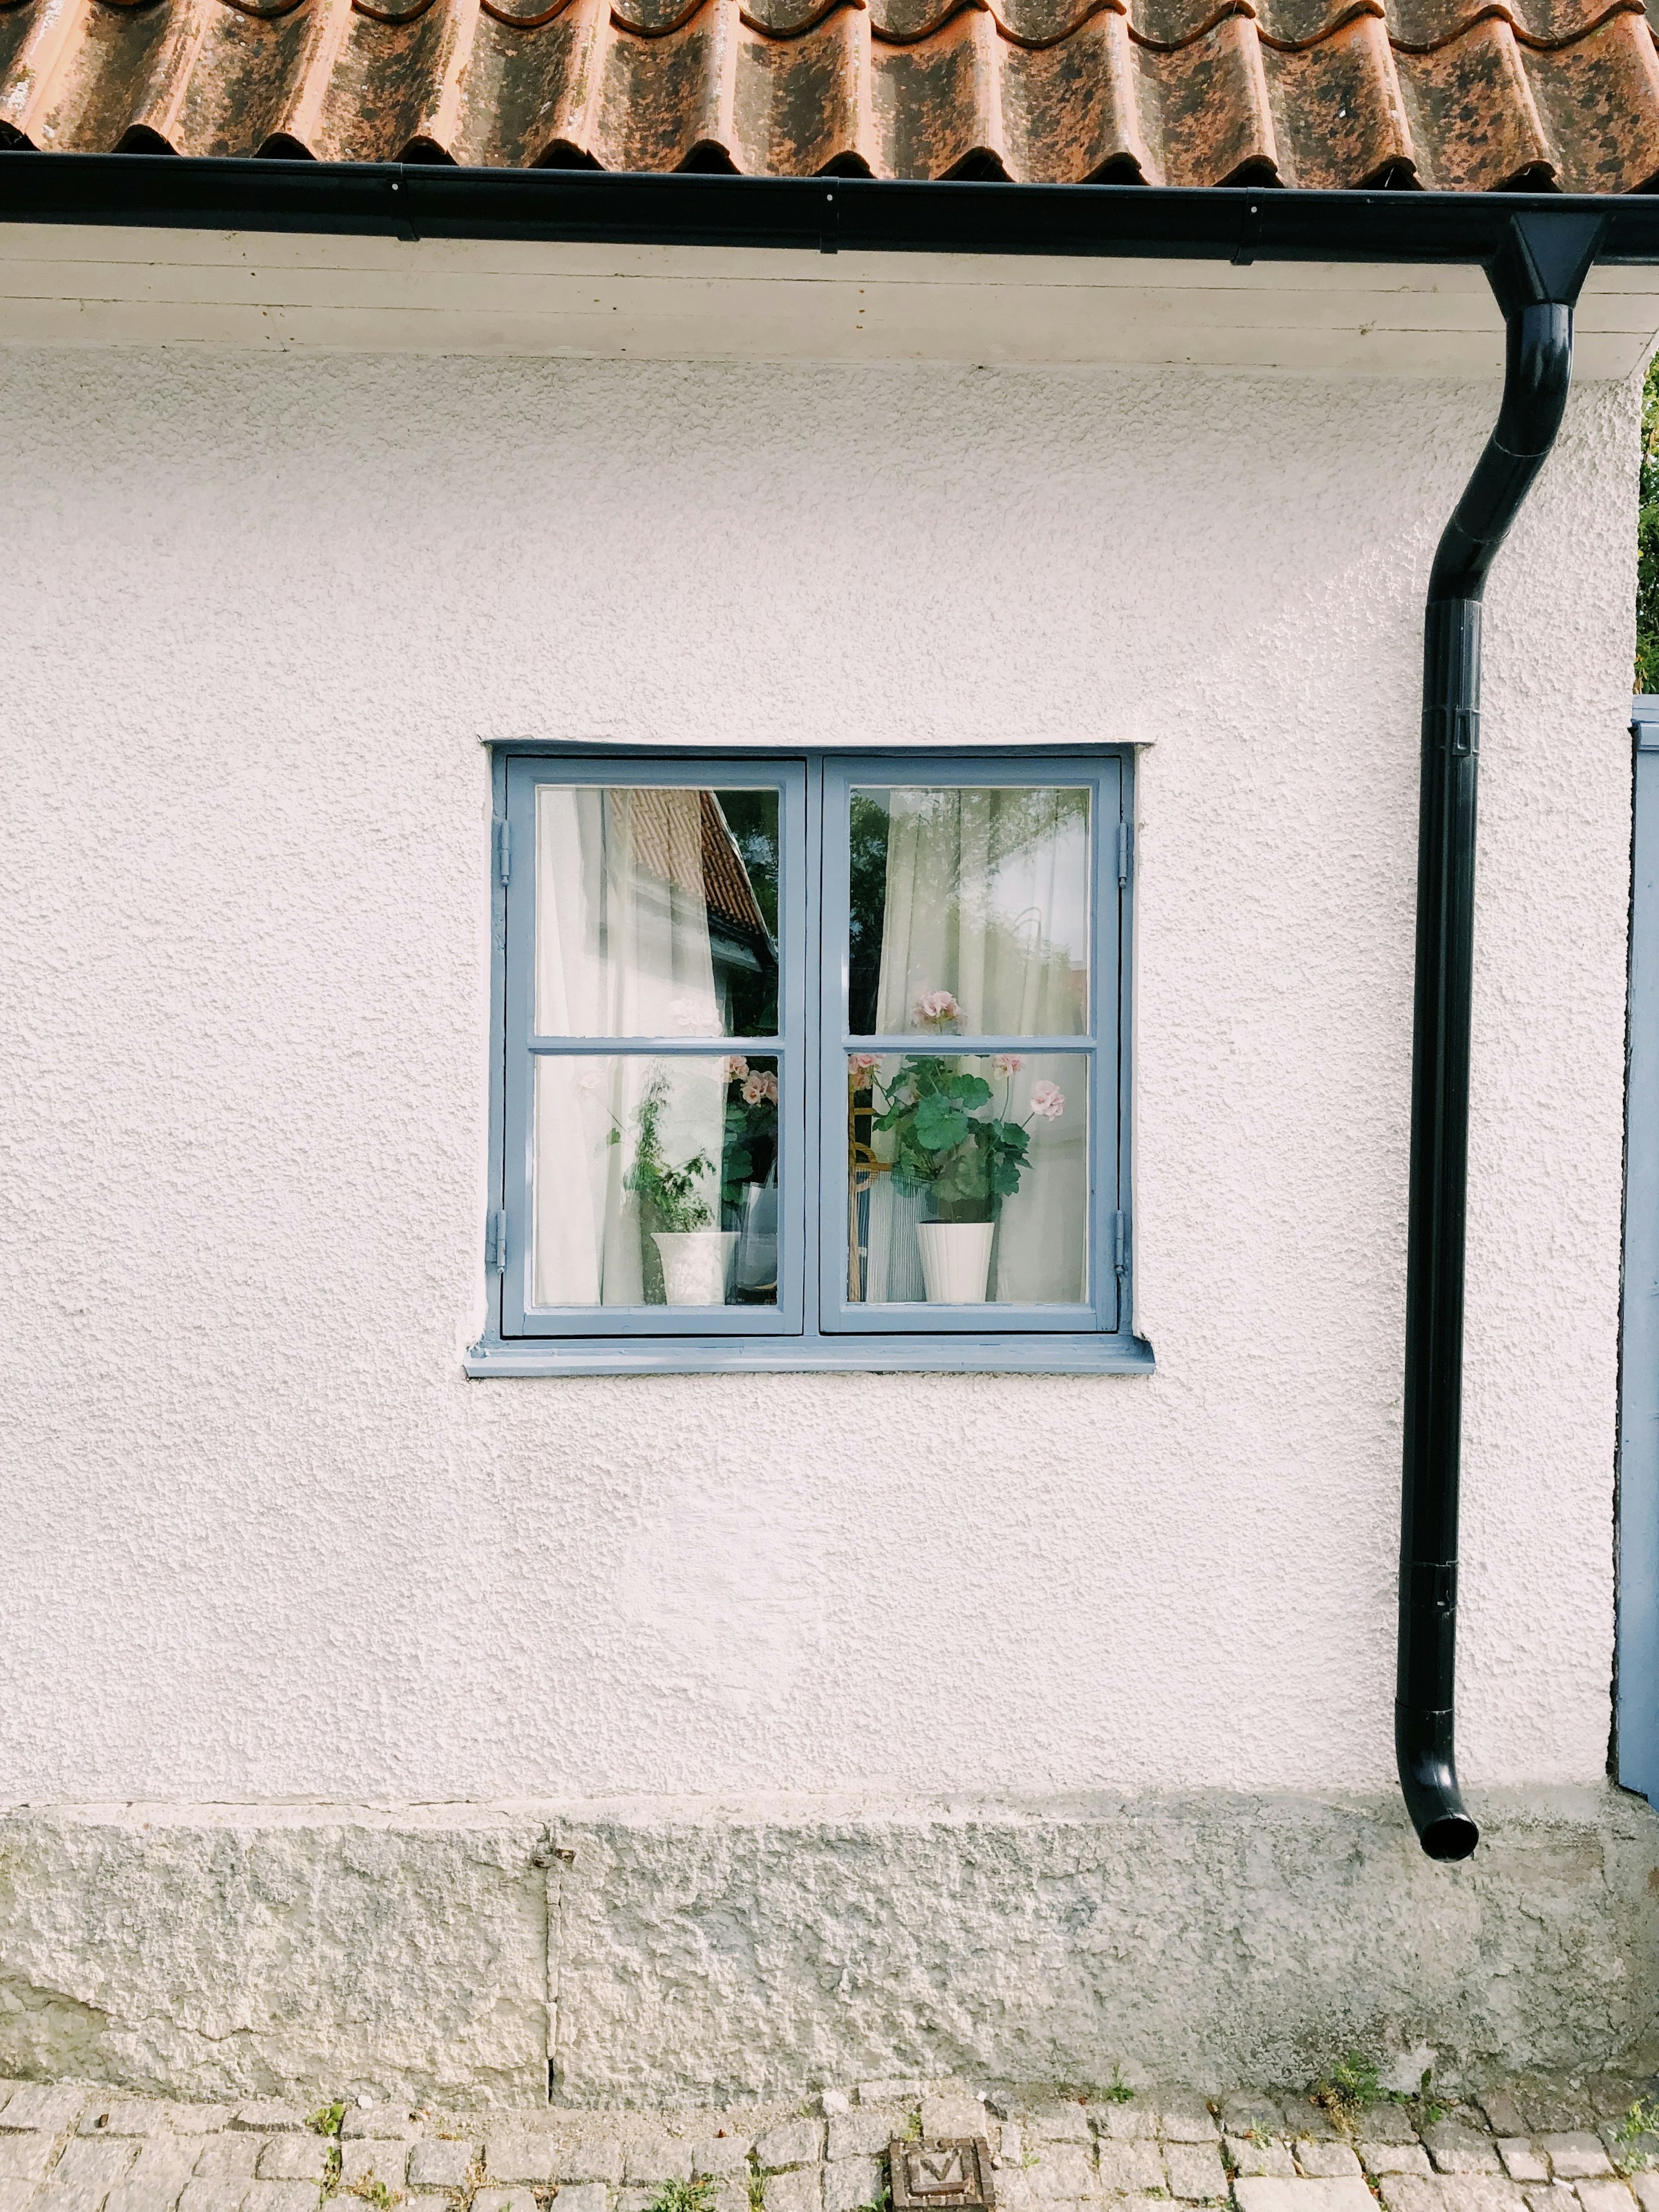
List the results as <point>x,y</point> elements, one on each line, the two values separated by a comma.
<point>1564,2144</point>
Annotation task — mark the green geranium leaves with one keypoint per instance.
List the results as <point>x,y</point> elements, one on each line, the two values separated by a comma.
<point>968,1163</point>
<point>940,1125</point>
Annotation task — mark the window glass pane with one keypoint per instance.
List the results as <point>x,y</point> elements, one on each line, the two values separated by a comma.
<point>656,912</point>
<point>655,1180</point>
<point>969,1178</point>
<point>969,911</point>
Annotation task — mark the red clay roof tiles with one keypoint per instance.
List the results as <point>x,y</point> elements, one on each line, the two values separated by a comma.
<point>1463,95</point>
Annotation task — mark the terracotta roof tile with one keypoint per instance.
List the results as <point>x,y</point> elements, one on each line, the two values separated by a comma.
<point>1465,95</point>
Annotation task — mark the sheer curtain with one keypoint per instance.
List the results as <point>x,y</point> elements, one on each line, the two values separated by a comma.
<point>621,950</point>
<point>986,897</point>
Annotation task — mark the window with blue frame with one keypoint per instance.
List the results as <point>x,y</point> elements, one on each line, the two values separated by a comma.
<point>811,1061</point>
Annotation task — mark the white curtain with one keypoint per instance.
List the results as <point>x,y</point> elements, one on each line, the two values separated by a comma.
<point>621,950</point>
<point>987,897</point>
<point>622,919</point>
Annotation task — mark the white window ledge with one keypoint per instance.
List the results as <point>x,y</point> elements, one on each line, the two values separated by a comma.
<point>1005,1354</point>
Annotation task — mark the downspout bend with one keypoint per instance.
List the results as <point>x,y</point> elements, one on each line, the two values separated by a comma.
<point>1536,276</point>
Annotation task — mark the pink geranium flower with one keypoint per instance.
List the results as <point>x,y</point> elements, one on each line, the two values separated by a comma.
<point>1004,1064</point>
<point>937,1007</point>
<point>760,1086</point>
<point>736,1068</point>
<point>860,1063</point>
<point>1047,1101</point>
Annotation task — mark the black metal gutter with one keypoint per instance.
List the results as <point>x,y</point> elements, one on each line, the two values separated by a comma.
<point>1536,274</point>
<point>1536,249</point>
<point>815,213</point>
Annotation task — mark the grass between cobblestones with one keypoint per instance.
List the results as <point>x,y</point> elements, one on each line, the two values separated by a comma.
<point>1538,2144</point>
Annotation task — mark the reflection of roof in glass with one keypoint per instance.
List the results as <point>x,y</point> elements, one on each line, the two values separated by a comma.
<point>1464,95</point>
<point>721,881</point>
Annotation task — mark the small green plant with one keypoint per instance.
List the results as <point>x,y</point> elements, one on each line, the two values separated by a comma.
<point>1117,2090</point>
<point>673,1198</point>
<point>1349,2087</point>
<point>327,2121</point>
<point>373,2192</point>
<point>1355,2082</point>
<point>1430,2111</point>
<point>756,2191</point>
<point>1642,2119</point>
<point>684,2196</point>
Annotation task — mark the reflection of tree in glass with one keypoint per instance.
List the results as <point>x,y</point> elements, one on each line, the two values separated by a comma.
<point>995,826</point>
<point>958,843</point>
<point>740,887</point>
<point>751,820</point>
<point>868,853</point>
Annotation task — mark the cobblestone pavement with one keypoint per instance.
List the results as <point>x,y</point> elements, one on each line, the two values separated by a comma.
<point>1556,2145</point>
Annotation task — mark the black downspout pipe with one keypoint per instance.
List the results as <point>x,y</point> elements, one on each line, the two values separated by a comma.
<point>1536,275</point>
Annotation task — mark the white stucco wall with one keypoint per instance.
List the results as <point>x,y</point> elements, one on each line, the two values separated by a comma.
<point>261,1538</point>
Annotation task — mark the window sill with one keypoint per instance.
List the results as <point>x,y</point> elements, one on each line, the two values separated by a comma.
<point>806,1355</point>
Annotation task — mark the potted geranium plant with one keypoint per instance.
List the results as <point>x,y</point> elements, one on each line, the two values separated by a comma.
<point>958,1161</point>
<point>749,1178</point>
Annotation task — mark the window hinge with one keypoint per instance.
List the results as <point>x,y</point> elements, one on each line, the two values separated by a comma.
<point>1120,1243</point>
<point>503,850</point>
<point>1122,853</point>
<point>495,1244</point>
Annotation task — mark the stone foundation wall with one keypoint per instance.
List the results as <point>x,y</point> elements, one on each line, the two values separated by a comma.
<point>694,1953</point>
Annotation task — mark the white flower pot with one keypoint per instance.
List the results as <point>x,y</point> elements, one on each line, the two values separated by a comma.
<point>956,1261</point>
<point>696,1263</point>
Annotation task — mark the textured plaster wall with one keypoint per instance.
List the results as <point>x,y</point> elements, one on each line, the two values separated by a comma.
<point>261,1540</point>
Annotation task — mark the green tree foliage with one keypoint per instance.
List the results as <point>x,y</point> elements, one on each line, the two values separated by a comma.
<point>1647,542</point>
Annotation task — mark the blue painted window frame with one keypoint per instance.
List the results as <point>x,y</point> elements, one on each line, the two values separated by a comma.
<point>521,1317</point>
<point>813,1327</point>
<point>1637,1664</point>
<point>1103,779</point>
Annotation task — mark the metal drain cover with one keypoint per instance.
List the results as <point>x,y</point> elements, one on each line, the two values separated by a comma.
<point>942,2175</point>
